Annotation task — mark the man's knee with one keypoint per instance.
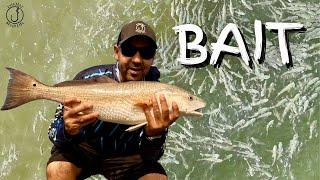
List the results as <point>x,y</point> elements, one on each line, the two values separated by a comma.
<point>154,176</point>
<point>62,170</point>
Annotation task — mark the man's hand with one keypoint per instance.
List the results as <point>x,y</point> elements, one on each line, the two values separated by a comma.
<point>159,121</point>
<point>75,117</point>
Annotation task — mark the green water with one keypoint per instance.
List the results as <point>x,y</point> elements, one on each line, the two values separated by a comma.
<point>256,124</point>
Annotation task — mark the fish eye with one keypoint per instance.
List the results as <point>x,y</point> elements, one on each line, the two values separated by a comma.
<point>190,98</point>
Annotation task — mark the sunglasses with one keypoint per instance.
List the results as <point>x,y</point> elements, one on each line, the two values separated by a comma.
<point>145,52</point>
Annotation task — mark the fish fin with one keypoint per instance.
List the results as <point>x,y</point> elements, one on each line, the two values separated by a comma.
<point>101,79</point>
<point>20,89</point>
<point>135,127</point>
<point>94,80</point>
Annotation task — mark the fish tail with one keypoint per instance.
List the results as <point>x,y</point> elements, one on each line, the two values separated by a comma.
<point>22,88</point>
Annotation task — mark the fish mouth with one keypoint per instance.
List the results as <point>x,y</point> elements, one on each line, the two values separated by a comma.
<point>196,112</point>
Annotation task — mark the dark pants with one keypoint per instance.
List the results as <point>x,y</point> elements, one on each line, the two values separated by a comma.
<point>122,167</point>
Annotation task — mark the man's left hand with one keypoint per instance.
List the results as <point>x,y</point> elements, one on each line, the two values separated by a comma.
<point>160,120</point>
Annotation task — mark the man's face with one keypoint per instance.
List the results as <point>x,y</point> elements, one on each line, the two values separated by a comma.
<point>133,65</point>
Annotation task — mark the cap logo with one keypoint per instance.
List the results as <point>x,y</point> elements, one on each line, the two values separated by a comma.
<point>140,28</point>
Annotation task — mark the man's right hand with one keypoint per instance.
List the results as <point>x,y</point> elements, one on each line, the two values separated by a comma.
<point>75,115</point>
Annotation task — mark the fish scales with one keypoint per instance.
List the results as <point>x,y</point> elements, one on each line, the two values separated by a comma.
<point>115,102</point>
<point>110,96</point>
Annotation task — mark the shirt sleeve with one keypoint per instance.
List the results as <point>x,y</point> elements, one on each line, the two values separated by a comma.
<point>57,134</point>
<point>152,148</point>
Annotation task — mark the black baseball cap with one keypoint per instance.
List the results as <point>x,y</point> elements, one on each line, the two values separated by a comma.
<point>137,28</point>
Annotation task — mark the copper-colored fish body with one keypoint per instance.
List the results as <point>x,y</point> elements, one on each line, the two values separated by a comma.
<point>115,102</point>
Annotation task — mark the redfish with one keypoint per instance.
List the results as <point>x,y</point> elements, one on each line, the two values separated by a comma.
<point>115,102</point>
